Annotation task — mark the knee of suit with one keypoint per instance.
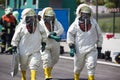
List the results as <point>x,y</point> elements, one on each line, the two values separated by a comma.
<point>91,68</point>
<point>91,65</point>
<point>34,65</point>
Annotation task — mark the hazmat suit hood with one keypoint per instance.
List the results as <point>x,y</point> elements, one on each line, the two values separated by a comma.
<point>56,25</point>
<point>8,10</point>
<point>79,9</point>
<point>29,18</point>
<point>16,15</point>
<point>48,17</point>
<point>27,12</point>
<point>44,11</point>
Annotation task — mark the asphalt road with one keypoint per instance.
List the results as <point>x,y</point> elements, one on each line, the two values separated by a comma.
<point>63,70</point>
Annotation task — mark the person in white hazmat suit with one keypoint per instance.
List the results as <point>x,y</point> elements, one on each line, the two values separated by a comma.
<point>16,14</point>
<point>50,47</point>
<point>27,39</point>
<point>84,38</point>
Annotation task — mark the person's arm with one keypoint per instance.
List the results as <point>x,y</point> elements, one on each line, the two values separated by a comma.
<point>16,37</point>
<point>71,39</point>
<point>59,29</point>
<point>71,34</point>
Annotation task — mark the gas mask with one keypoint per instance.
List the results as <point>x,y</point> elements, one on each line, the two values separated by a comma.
<point>31,23</point>
<point>49,22</point>
<point>84,22</point>
<point>85,16</point>
<point>49,19</point>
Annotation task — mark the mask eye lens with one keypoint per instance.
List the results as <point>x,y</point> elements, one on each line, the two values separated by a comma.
<point>49,18</point>
<point>29,18</point>
<point>85,15</point>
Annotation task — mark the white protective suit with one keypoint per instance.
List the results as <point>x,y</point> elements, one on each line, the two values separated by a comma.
<point>85,44</point>
<point>28,45</point>
<point>50,55</point>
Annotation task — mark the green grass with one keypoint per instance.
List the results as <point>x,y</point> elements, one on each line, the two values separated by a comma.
<point>106,24</point>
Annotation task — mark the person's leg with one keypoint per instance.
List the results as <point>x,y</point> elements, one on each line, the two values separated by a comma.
<point>76,76</point>
<point>34,64</point>
<point>9,38</point>
<point>47,63</point>
<point>8,43</point>
<point>50,57</point>
<point>23,75</point>
<point>23,66</point>
<point>3,43</point>
<point>79,61</point>
<point>90,77</point>
<point>55,52</point>
<point>47,72</point>
<point>53,57</point>
<point>33,74</point>
<point>91,62</point>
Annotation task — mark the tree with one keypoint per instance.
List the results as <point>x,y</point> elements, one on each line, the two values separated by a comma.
<point>79,1</point>
<point>100,2</point>
<point>112,3</point>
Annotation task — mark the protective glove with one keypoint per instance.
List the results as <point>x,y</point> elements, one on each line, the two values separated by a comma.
<point>14,49</point>
<point>72,50</point>
<point>99,51</point>
<point>43,46</point>
<point>57,38</point>
<point>53,33</point>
